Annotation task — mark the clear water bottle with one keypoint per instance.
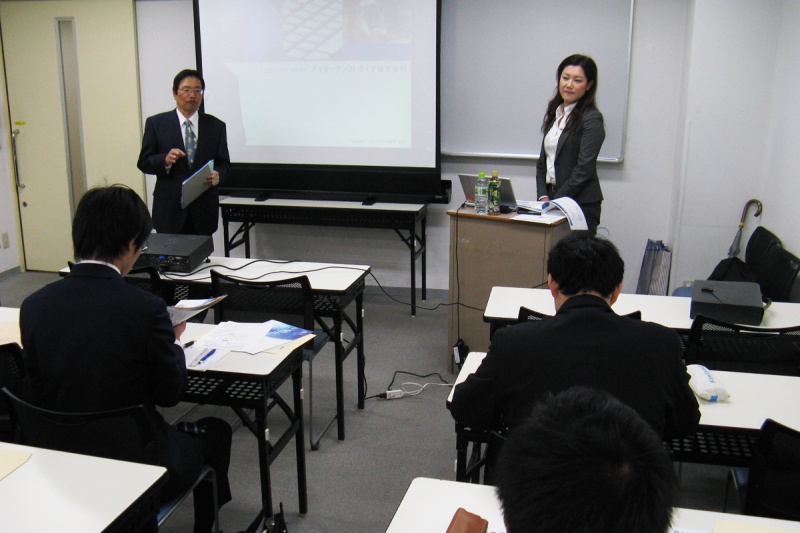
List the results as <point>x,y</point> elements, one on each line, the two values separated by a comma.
<point>482,195</point>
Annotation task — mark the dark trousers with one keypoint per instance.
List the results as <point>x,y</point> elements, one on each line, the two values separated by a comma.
<point>213,438</point>
<point>592,214</point>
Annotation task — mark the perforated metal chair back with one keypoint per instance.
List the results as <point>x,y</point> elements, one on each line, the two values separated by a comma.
<point>146,278</point>
<point>289,300</point>
<point>12,367</point>
<point>724,346</point>
<point>773,488</point>
<point>529,315</point>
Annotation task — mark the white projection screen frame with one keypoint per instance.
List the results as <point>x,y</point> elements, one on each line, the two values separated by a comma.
<point>334,84</point>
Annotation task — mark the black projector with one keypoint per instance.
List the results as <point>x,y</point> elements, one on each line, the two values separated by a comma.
<point>175,253</point>
<point>738,302</point>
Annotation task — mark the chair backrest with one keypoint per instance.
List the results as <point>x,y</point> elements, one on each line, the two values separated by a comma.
<point>123,434</point>
<point>761,241</point>
<point>529,315</point>
<point>778,272</point>
<point>12,367</point>
<point>724,346</point>
<point>773,486</point>
<point>146,278</point>
<point>13,376</point>
<point>287,300</point>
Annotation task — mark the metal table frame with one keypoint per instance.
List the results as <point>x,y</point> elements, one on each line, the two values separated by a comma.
<point>380,216</point>
<point>242,391</point>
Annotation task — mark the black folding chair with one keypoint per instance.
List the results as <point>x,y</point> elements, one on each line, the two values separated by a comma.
<point>289,301</point>
<point>739,348</point>
<point>122,434</point>
<point>771,486</point>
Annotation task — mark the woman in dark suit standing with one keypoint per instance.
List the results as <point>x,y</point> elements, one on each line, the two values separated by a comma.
<point>573,134</point>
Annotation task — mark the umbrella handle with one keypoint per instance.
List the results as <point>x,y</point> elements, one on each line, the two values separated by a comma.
<point>758,205</point>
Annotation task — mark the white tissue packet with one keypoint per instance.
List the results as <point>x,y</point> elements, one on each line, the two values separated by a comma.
<point>706,385</point>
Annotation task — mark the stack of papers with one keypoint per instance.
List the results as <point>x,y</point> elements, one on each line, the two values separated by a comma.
<point>186,309</point>
<point>272,337</point>
<point>552,211</point>
<point>531,206</point>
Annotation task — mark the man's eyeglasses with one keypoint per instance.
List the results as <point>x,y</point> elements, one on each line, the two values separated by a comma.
<point>186,91</point>
<point>144,248</point>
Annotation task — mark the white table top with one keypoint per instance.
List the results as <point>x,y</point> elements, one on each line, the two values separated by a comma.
<point>669,311</point>
<point>754,398</point>
<point>57,491</point>
<point>260,364</point>
<point>329,204</point>
<point>9,314</point>
<point>322,276</point>
<point>429,505</point>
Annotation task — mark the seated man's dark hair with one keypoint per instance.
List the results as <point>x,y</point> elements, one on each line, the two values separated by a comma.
<point>585,462</point>
<point>580,263</point>
<point>107,219</point>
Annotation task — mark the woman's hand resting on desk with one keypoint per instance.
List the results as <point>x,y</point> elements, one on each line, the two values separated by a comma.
<point>179,329</point>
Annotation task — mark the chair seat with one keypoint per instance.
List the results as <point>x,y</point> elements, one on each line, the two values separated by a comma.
<point>319,341</point>
<point>167,508</point>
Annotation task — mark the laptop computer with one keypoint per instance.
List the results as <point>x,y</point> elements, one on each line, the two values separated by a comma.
<point>507,198</point>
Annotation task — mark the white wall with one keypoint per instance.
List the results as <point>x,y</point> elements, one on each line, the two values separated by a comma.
<point>712,122</point>
<point>732,68</point>
<point>779,183</point>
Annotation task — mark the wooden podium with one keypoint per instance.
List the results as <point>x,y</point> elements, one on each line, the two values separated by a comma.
<point>492,250</point>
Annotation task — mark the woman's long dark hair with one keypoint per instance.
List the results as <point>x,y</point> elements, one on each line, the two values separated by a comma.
<point>586,102</point>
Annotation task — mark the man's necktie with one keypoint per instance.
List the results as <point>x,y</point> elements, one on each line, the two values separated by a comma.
<point>191,141</point>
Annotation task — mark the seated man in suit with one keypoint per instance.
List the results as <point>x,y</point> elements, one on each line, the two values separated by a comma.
<point>584,462</point>
<point>93,342</point>
<point>584,344</point>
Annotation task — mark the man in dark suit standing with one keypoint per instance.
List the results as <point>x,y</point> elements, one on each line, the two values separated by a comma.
<point>585,344</point>
<point>92,342</point>
<point>174,146</point>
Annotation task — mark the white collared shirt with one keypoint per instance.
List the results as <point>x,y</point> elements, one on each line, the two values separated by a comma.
<point>96,262</point>
<point>551,139</point>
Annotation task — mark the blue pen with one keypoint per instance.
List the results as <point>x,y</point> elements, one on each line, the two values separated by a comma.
<point>198,362</point>
<point>206,356</point>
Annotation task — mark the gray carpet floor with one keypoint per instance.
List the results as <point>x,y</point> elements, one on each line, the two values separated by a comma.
<point>356,485</point>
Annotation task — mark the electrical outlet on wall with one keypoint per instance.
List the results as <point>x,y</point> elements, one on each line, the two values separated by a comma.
<point>4,239</point>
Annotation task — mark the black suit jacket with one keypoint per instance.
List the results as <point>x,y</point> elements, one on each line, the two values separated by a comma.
<point>162,133</point>
<point>584,344</point>
<point>93,343</point>
<point>576,161</point>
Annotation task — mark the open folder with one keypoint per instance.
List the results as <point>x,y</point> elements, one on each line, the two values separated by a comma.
<point>195,185</point>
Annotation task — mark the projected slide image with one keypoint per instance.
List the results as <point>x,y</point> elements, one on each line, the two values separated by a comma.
<point>342,82</point>
<point>345,104</point>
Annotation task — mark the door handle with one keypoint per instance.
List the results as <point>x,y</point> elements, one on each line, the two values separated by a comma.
<point>14,134</point>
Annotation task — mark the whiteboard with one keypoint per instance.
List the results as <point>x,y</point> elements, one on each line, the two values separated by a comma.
<point>498,70</point>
